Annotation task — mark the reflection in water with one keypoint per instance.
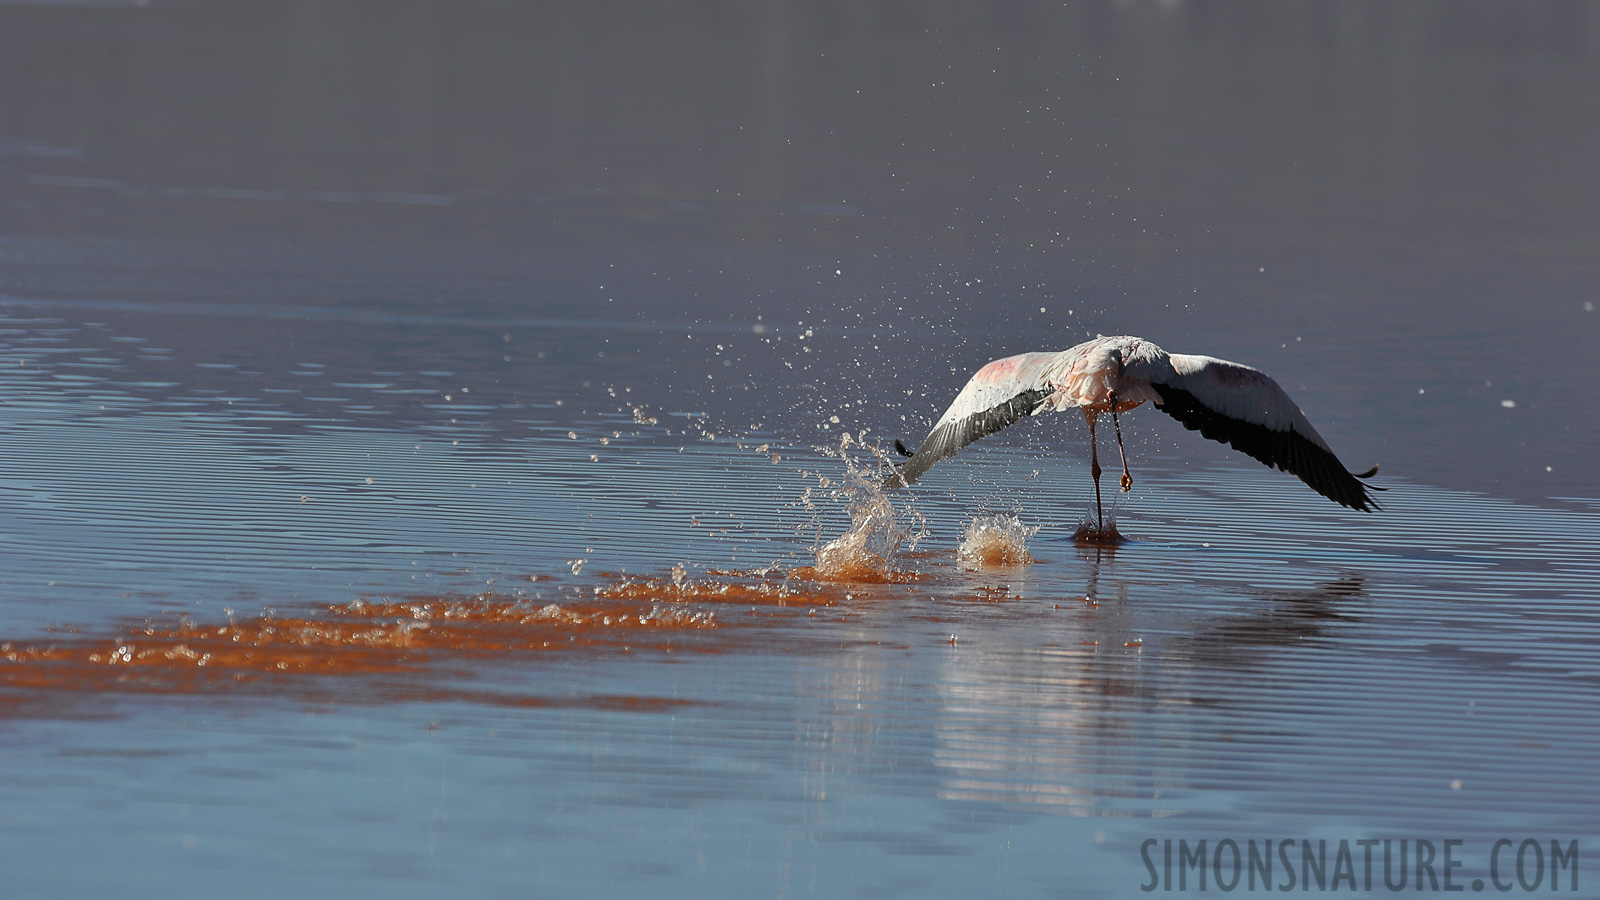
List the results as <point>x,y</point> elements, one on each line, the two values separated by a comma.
<point>1275,620</point>
<point>1093,556</point>
<point>1083,723</point>
<point>1064,725</point>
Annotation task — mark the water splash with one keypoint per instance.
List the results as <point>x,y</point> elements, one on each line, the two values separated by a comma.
<point>877,530</point>
<point>868,547</point>
<point>996,541</point>
<point>1101,535</point>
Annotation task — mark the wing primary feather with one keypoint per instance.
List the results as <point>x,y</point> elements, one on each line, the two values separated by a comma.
<point>947,440</point>
<point>1286,450</point>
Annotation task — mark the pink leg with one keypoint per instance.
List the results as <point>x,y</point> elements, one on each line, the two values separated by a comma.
<point>1127,480</point>
<point>1094,469</point>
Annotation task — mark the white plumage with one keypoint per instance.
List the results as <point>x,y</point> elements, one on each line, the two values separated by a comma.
<point>1225,401</point>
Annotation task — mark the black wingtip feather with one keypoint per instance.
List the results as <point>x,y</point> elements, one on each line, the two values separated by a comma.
<point>1285,450</point>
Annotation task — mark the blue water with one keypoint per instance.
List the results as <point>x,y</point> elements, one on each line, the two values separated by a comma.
<point>556,313</point>
<point>1255,662</point>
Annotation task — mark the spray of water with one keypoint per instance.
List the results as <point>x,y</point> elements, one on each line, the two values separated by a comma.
<point>996,541</point>
<point>1094,534</point>
<point>877,530</point>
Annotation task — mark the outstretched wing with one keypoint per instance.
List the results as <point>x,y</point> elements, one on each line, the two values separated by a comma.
<point>1245,409</point>
<point>999,394</point>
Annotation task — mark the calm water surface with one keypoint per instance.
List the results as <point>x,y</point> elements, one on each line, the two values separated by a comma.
<point>417,432</point>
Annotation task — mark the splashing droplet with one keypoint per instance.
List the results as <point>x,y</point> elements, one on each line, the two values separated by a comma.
<point>996,541</point>
<point>877,529</point>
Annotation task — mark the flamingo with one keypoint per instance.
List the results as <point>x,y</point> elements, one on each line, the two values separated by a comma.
<point>1224,401</point>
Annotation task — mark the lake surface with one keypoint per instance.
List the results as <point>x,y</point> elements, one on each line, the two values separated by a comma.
<point>418,428</point>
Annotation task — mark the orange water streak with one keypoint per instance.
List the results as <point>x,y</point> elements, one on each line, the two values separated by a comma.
<point>371,639</point>
<point>363,638</point>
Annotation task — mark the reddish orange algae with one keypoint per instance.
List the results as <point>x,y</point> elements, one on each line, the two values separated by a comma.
<point>863,574</point>
<point>363,638</point>
<point>384,637</point>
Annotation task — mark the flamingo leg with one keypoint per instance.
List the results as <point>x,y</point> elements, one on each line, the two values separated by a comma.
<point>1094,469</point>
<point>1127,480</point>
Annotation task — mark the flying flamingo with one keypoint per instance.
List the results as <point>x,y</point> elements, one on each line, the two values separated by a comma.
<point>1224,401</point>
